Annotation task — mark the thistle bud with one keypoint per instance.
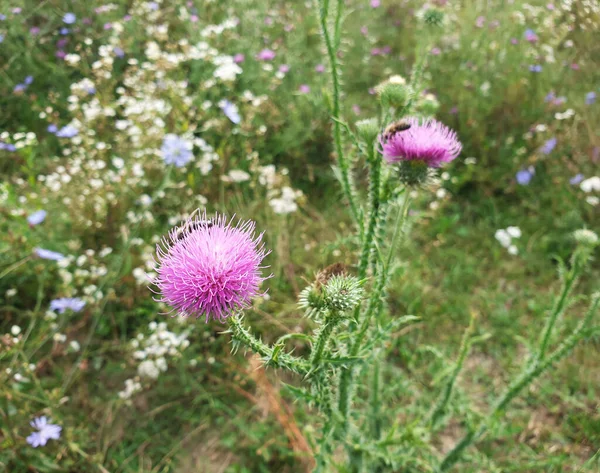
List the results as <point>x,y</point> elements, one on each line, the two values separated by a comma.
<point>368,130</point>
<point>433,17</point>
<point>342,293</point>
<point>311,301</point>
<point>393,94</point>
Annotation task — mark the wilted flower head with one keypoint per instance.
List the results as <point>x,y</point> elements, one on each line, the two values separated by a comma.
<point>210,267</point>
<point>427,141</point>
<point>45,432</point>
<point>176,150</point>
<point>67,303</point>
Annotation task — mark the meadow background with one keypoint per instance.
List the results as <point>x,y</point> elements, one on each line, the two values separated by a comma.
<point>88,92</point>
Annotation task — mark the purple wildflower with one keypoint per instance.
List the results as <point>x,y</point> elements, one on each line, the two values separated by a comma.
<point>239,58</point>
<point>535,68</point>
<point>576,179</point>
<point>118,51</point>
<point>67,303</point>
<point>427,141</point>
<point>37,217</point>
<point>176,150</point>
<point>64,31</point>
<point>210,268</point>
<point>49,254</point>
<point>548,146</point>
<point>52,128</point>
<point>375,3</point>
<point>34,30</point>
<point>7,146</point>
<point>590,98</point>
<point>524,176</point>
<point>266,55</point>
<point>320,68</point>
<point>304,89</point>
<point>531,36</point>
<point>69,18</point>
<point>284,68</point>
<point>45,432</point>
<point>68,131</point>
<point>231,111</point>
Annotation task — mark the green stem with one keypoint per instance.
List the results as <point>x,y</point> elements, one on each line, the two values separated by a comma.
<point>243,336</point>
<point>442,403</point>
<point>331,322</point>
<point>376,400</point>
<point>557,310</point>
<point>374,307</point>
<point>374,164</point>
<point>522,381</point>
<point>347,184</point>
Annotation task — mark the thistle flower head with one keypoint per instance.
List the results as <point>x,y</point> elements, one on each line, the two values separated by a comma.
<point>210,267</point>
<point>367,130</point>
<point>427,141</point>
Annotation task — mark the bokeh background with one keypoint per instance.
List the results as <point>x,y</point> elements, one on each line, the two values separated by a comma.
<point>89,91</point>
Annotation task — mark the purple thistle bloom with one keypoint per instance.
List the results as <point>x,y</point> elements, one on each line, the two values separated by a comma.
<point>284,68</point>
<point>69,18</point>
<point>524,176</point>
<point>231,111</point>
<point>576,179</point>
<point>428,141</point>
<point>68,131</point>
<point>49,254</point>
<point>548,146</point>
<point>239,58</point>
<point>176,150</point>
<point>210,268</point>
<point>266,55</point>
<point>45,432</point>
<point>320,68</point>
<point>37,217</point>
<point>590,98</point>
<point>304,89</point>
<point>67,303</point>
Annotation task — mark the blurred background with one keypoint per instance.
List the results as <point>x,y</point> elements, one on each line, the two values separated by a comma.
<point>119,119</point>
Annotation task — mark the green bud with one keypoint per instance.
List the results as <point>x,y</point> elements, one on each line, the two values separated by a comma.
<point>368,130</point>
<point>311,301</point>
<point>393,94</point>
<point>433,17</point>
<point>414,173</point>
<point>342,293</point>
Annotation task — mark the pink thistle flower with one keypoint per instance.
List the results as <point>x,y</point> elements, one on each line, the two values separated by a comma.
<point>427,141</point>
<point>266,55</point>
<point>210,267</point>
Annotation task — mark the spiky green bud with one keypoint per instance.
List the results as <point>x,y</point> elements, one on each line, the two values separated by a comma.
<point>342,293</point>
<point>433,17</point>
<point>393,94</point>
<point>311,301</point>
<point>367,130</point>
<point>585,237</point>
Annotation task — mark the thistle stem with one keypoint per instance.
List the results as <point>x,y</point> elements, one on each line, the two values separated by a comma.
<point>522,381</point>
<point>346,178</point>
<point>376,400</point>
<point>331,322</point>
<point>442,403</point>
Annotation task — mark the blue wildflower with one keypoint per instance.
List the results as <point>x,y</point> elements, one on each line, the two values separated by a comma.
<point>1,38</point>
<point>548,146</point>
<point>37,217</point>
<point>524,176</point>
<point>52,128</point>
<point>576,179</point>
<point>68,131</point>
<point>49,254</point>
<point>176,150</point>
<point>590,98</point>
<point>19,88</point>
<point>7,146</point>
<point>45,432</point>
<point>231,111</point>
<point>67,303</point>
<point>118,51</point>
<point>28,80</point>
<point>535,68</point>
<point>69,18</point>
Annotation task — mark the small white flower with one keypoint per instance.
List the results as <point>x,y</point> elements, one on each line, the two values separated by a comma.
<point>503,238</point>
<point>514,232</point>
<point>15,330</point>
<point>147,369</point>
<point>513,250</point>
<point>590,185</point>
